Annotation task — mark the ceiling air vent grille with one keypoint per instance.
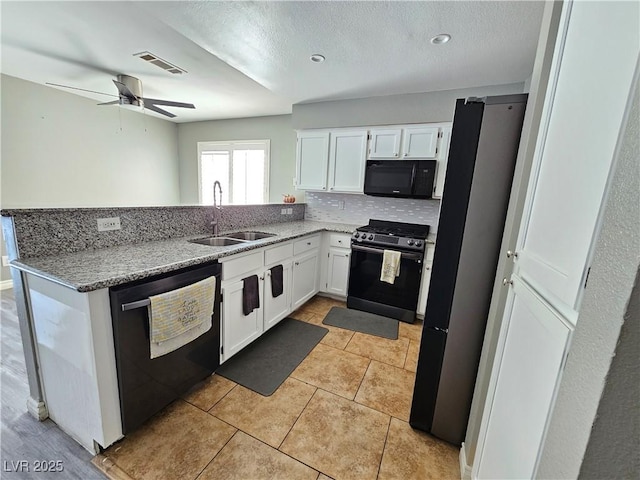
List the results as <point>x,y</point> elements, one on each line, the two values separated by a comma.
<point>159,62</point>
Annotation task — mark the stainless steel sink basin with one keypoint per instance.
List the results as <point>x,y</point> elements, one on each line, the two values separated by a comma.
<point>218,241</point>
<point>249,236</point>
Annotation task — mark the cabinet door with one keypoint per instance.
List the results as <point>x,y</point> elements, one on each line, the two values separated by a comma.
<point>385,143</point>
<point>527,375</point>
<point>441,165</point>
<point>338,271</point>
<point>347,156</point>
<point>238,330</point>
<point>312,160</point>
<point>305,278</point>
<point>419,142</point>
<point>276,308</point>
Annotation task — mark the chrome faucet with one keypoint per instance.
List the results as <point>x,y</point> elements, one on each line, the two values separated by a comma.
<point>216,207</point>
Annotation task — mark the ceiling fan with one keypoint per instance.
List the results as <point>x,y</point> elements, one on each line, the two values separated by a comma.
<point>130,93</point>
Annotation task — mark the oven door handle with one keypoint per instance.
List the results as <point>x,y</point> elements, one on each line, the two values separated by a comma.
<point>416,257</point>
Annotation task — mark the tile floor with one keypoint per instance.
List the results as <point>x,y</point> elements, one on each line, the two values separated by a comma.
<point>341,414</point>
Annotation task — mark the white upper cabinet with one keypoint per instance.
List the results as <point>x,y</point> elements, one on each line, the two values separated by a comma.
<point>331,160</point>
<point>347,157</point>
<point>419,142</point>
<point>404,143</point>
<point>312,160</point>
<point>385,143</point>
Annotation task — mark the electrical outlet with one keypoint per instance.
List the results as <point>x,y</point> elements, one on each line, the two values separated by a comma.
<point>289,211</point>
<point>106,224</point>
<point>283,211</point>
<point>5,261</point>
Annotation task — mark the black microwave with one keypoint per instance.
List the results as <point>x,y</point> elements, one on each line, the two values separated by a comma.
<point>400,178</point>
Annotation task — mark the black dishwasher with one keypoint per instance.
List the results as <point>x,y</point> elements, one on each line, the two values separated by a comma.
<point>147,385</point>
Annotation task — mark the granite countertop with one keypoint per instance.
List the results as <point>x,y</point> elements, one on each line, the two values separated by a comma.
<point>95,269</point>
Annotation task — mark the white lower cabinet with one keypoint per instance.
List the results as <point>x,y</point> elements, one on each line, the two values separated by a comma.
<point>336,257</point>
<point>300,283</point>
<point>238,329</point>
<point>338,271</point>
<point>276,308</point>
<point>305,278</point>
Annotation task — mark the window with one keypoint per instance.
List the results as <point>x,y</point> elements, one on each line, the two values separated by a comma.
<point>242,168</point>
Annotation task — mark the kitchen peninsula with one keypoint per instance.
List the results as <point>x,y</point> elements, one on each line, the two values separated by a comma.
<point>64,267</point>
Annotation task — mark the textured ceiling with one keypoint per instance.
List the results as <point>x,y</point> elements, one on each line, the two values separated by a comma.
<point>252,58</point>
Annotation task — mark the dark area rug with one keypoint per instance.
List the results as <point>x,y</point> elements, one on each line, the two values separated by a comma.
<point>267,362</point>
<point>363,322</point>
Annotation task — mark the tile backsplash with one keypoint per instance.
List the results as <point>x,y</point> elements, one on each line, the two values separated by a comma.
<point>358,209</point>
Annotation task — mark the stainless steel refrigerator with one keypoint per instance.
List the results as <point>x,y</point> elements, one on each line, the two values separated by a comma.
<point>482,157</point>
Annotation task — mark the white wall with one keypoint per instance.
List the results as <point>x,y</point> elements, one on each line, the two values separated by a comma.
<point>277,128</point>
<point>408,108</point>
<point>62,150</point>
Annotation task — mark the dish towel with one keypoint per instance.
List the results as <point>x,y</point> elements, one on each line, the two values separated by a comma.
<point>277,281</point>
<point>390,266</point>
<point>250,295</point>
<point>180,316</point>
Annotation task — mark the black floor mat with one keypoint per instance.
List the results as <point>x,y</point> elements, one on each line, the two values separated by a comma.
<point>364,322</point>
<point>267,362</point>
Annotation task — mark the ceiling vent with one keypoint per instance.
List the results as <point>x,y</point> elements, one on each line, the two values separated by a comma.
<point>158,62</point>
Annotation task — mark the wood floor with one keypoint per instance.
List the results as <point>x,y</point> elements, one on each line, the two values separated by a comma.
<point>28,445</point>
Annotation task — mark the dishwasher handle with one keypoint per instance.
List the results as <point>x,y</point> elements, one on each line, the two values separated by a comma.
<point>133,305</point>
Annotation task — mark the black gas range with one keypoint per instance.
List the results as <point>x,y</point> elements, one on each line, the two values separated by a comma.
<point>367,291</point>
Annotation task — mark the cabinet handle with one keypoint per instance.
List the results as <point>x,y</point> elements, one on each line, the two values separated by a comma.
<point>395,154</point>
<point>512,254</point>
<point>406,154</point>
<point>339,241</point>
<point>506,282</point>
<point>297,263</point>
<point>262,277</point>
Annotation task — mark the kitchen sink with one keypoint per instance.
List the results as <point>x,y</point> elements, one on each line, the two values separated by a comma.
<point>218,241</point>
<point>249,236</point>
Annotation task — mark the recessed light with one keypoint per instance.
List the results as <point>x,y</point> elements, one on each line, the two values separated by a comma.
<point>440,39</point>
<point>317,58</point>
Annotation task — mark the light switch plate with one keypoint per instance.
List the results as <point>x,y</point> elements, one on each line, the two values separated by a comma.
<point>283,211</point>
<point>106,224</point>
<point>289,211</point>
<point>5,261</point>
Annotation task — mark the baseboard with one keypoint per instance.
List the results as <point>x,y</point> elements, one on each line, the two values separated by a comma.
<point>465,470</point>
<point>5,284</point>
<point>37,409</point>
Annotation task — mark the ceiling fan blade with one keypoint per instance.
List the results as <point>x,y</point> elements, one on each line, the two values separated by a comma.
<point>82,89</point>
<point>124,90</point>
<point>115,102</point>
<point>168,103</point>
<point>159,110</point>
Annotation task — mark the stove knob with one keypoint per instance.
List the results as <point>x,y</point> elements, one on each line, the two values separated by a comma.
<point>356,235</point>
<point>410,242</point>
<point>370,237</point>
<point>418,243</point>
